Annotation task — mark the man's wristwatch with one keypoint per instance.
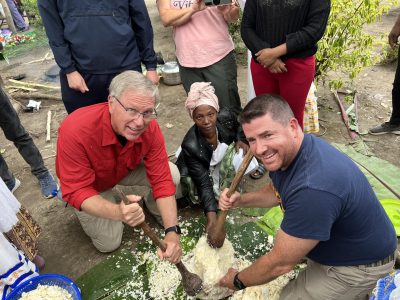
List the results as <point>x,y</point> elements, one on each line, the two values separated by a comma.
<point>237,283</point>
<point>175,229</point>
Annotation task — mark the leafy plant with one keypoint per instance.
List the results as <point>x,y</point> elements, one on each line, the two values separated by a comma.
<point>346,47</point>
<point>32,10</point>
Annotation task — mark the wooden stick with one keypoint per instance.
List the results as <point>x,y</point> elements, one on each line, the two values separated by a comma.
<point>34,84</point>
<point>35,96</point>
<point>353,135</point>
<point>21,88</point>
<point>41,60</point>
<point>9,18</point>
<point>48,126</point>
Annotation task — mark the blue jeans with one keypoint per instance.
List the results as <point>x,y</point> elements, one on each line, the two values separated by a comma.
<point>16,133</point>
<point>17,18</point>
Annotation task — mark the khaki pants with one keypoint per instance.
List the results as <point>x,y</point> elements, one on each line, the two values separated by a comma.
<point>106,234</point>
<point>320,282</point>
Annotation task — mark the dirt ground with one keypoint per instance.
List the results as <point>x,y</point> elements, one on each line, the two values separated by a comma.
<point>64,245</point>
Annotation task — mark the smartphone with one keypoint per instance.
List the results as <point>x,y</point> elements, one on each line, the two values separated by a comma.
<point>217,2</point>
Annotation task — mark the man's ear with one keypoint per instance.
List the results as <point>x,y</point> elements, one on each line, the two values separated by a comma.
<point>111,103</point>
<point>294,125</point>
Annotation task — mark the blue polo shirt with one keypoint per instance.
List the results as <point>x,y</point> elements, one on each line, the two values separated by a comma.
<point>327,198</point>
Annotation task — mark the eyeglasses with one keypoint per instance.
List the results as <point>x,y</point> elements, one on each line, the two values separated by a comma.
<point>134,114</point>
<point>201,118</point>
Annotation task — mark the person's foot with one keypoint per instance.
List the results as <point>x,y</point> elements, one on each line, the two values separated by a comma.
<point>23,29</point>
<point>385,128</point>
<point>48,185</point>
<point>14,186</point>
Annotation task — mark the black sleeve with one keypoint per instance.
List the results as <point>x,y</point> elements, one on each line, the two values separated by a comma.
<point>248,28</point>
<point>313,30</point>
<point>141,25</point>
<point>202,180</point>
<point>54,27</point>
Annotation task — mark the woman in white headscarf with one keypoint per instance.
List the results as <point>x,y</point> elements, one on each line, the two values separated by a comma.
<point>18,234</point>
<point>205,159</point>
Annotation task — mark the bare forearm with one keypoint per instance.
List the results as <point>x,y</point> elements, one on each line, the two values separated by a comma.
<point>168,211</point>
<point>232,14</point>
<point>100,207</point>
<point>263,270</point>
<point>176,17</point>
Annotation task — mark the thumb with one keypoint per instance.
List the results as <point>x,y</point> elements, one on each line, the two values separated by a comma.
<point>134,198</point>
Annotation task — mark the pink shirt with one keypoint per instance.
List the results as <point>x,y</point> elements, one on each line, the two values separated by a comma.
<point>204,40</point>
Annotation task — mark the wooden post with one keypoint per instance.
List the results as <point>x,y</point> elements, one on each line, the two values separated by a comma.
<point>9,18</point>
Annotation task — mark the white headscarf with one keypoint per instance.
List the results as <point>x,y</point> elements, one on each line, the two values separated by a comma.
<point>201,93</point>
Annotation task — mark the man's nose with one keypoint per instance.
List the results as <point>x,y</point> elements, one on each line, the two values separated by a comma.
<point>258,148</point>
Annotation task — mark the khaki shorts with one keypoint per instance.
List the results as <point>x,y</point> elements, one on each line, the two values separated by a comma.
<point>106,234</point>
<point>322,282</point>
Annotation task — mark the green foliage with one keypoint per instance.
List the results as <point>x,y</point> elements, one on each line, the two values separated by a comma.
<point>240,48</point>
<point>31,8</point>
<point>346,47</point>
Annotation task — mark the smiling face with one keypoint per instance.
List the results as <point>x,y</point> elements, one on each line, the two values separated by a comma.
<point>122,122</point>
<point>205,118</point>
<point>274,144</point>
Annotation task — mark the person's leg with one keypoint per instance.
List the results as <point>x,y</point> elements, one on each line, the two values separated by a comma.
<point>295,84</point>
<point>395,118</point>
<point>138,178</point>
<point>15,132</point>
<point>5,174</point>
<point>263,80</point>
<point>98,91</point>
<point>106,234</point>
<point>17,18</point>
<point>189,76</point>
<point>223,77</point>
<point>334,283</point>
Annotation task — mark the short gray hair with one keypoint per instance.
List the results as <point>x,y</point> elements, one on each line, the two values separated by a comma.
<point>133,81</point>
<point>274,105</point>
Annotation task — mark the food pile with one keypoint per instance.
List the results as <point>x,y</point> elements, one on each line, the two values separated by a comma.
<point>47,292</point>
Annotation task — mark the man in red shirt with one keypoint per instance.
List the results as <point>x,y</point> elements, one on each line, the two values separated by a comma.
<point>112,143</point>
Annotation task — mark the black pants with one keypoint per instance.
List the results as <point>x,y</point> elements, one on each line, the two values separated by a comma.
<point>97,84</point>
<point>395,118</point>
<point>16,133</point>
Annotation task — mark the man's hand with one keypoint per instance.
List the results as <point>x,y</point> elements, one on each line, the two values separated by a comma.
<point>173,253</point>
<point>278,67</point>
<point>76,82</point>
<point>153,76</point>
<point>394,34</point>
<point>132,214</point>
<point>226,203</point>
<point>227,280</point>
<point>266,57</point>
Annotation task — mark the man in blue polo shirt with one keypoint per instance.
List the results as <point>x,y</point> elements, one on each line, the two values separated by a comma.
<point>331,214</point>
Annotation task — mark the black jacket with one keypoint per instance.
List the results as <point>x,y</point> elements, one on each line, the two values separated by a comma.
<point>99,37</point>
<point>194,160</point>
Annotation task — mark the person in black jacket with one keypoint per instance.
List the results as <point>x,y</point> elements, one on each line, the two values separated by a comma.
<point>93,41</point>
<point>207,150</point>
<point>282,36</point>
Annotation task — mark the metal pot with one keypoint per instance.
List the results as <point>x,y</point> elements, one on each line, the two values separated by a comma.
<point>170,73</point>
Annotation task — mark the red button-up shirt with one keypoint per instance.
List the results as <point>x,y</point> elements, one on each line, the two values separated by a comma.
<point>90,159</point>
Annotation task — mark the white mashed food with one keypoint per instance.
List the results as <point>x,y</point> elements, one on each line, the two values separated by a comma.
<point>211,265</point>
<point>47,292</point>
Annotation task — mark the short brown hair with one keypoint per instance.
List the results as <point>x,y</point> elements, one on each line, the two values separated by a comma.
<point>275,105</point>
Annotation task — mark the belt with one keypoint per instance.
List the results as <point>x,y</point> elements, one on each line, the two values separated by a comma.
<point>381,262</point>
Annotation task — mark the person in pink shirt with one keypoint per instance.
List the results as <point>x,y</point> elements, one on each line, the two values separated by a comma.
<point>204,47</point>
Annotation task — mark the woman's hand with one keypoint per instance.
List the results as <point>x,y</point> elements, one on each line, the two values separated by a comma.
<point>241,145</point>
<point>278,67</point>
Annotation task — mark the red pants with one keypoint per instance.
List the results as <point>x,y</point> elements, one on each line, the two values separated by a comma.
<point>293,85</point>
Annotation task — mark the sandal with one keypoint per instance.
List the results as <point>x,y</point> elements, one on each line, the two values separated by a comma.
<point>257,174</point>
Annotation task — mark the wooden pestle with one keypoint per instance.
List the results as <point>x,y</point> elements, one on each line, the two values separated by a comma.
<point>216,234</point>
<point>191,282</point>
